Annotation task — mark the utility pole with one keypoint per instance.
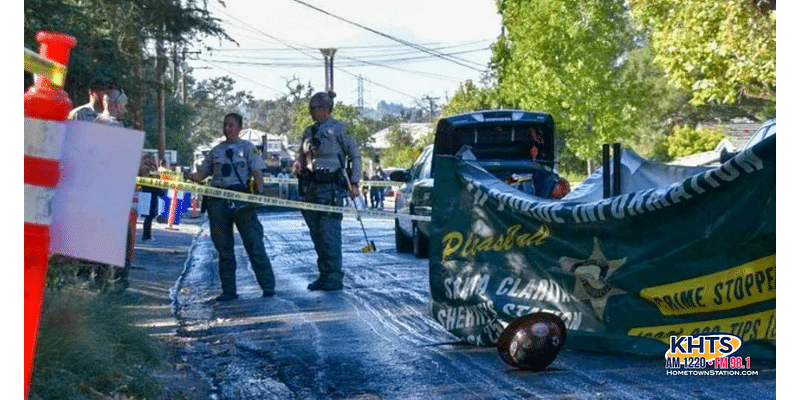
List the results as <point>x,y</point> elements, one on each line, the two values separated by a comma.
<point>360,92</point>
<point>161,60</point>
<point>183,75</point>
<point>431,101</point>
<point>175,66</point>
<point>327,54</point>
<point>184,85</point>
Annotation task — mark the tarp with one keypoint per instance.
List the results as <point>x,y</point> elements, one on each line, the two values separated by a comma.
<point>625,273</point>
<point>636,173</point>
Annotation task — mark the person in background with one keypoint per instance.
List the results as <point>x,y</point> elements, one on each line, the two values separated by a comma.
<point>115,105</point>
<point>147,168</point>
<point>377,191</point>
<point>365,191</point>
<point>321,167</point>
<point>114,108</point>
<point>283,187</point>
<point>231,164</point>
<point>293,192</point>
<point>106,105</point>
<point>98,88</point>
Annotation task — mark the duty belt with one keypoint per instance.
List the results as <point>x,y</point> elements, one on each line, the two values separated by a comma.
<point>327,176</point>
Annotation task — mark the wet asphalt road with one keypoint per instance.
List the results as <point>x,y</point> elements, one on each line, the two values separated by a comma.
<point>376,338</point>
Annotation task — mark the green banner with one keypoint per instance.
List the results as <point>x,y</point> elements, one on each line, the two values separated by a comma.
<point>625,273</point>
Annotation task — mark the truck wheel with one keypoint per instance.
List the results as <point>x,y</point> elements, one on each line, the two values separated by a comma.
<point>402,242</point>
<point>420,242</point>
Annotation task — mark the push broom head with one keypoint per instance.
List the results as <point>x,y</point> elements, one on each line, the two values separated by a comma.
<point>369,248</point>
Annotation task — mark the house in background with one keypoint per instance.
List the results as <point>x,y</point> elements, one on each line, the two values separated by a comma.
<point>379,140</point>
<point>736,137</point>
<point>418,130</point>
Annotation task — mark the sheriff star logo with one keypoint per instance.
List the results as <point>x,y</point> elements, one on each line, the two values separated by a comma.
<point>590,277</point>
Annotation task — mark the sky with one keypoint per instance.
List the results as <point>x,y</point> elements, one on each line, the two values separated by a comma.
<point>406,52</point>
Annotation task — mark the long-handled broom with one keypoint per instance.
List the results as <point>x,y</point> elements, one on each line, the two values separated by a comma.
<point>370,244</point>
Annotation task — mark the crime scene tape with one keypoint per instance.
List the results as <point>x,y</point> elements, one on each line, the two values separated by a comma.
<point>270,201</point>
<point>362,183</point>
<point>293,181</point>
<point>50,70</point>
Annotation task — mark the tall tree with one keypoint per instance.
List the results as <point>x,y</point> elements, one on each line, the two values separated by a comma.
<point>211,100</point>
<point>471,97</point>
<point>113,40</point>
<point>175,22</point>
<point>720,50</point>
<point>278,116</point>
<point>568,58</point>
<point>402,150</point>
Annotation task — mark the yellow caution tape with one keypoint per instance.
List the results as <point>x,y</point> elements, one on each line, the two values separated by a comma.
<point>270,201</point>
<point>50,70</point>
<point>362,183</point>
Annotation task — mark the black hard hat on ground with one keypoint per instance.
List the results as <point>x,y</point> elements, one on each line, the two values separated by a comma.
<point>532,342</point>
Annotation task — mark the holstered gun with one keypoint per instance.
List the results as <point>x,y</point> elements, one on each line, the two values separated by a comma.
<point>304,179</point>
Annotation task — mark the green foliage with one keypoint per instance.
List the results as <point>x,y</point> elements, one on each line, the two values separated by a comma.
<point>661,110</point>
<point>399,137</point>
<point>568,58</point>
<point>470,97</point>
<point>718,50</point>
<point>210,100</point>
<point>401,157</point>
<point>87,346</point>
<point>685,140</point>
<point>113,39</point>
<point>402,150</point>
<point>358,126</point>
<point>279,116</point>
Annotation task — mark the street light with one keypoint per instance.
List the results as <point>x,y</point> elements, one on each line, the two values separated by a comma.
<point>328,55</point>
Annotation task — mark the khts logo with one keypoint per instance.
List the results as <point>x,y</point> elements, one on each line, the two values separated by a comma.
<point>699,351</point>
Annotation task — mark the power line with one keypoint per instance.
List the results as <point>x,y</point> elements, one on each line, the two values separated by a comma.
<point>310,52</point>
<point>378,84</point>
<point>354,61</point>
<point>244,77</point>
<point>370,48</point>
<point>285,43</point>
<point>350,62</point>
<point>407,43</point>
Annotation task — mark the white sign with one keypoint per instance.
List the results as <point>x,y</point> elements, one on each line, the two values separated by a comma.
<point>93,199</point>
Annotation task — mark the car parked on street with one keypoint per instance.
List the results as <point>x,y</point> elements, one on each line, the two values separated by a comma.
<point>390,193</point>
<point>514,145</point>
<point>767,129</point>
<point>413,198</point>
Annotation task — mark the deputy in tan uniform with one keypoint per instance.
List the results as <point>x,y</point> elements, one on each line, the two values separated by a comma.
<point>321,166</point>
<point>231,164</point>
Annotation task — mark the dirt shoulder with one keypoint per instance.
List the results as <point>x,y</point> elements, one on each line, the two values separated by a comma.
<point>156,268</point>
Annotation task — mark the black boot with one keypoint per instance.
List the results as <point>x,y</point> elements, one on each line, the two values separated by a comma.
<point>326,284</point>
